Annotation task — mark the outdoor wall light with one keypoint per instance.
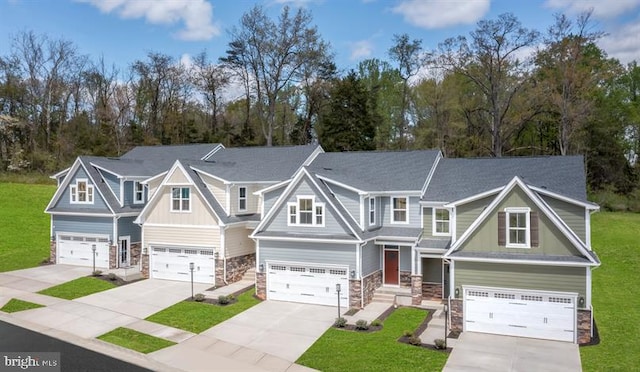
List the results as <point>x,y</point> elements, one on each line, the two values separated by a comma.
<point>457,292</point>
<point>353,273</point>
<point>261,267</point>
<point>216,255</point>
<point>581,301</point>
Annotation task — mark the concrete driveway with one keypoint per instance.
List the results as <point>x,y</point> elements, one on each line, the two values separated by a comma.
<point>485,352</point>
<point>38,278</point>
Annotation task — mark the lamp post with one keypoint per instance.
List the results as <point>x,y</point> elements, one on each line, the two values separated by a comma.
<point>191,268</point>
<point>446,318</point>
<point>338,290</point>
<point>93,249</point>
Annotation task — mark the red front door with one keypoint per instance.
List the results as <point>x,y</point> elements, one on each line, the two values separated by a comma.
<point>390,267</point>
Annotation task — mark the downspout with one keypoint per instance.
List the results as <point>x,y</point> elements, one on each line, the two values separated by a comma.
<point>359,273</point>
<point>224,255</point>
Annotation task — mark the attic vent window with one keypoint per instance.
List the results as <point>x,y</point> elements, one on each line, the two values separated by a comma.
<point>81,192</point>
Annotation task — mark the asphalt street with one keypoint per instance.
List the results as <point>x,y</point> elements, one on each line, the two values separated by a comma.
<point>73,358</point>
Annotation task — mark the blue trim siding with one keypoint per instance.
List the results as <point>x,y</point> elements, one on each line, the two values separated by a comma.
<point>126,227</point>
<point>371,258</point>
<point>415,212</point>
<point>349,199</point>
<point>270,199</point>
<point>405,258</point>
<point>65,199</point>
<point>113,182</point>
<point>82,225</point>
<point>310,253</point>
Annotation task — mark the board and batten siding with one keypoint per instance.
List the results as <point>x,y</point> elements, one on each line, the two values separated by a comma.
<point>98,203</point>
<point>237,242</point>
<point>161,212</point>
<point>573,215</point>
<point>309,253</point>
<point>349,199</point>
<point>551,239</point>
<point>126,227</point>
<point>217,188</point>
<point>469,212</point>
<point>515,276</point>
<point>415,212</point>
<point>181,236</point>
<point>79,225</point>
<point>371,260</point>
<point>280,220</point>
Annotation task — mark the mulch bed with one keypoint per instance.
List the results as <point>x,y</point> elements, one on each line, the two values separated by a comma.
<point>352,328</point>
<point>421,328</point>
<point>118,281</point>
<point>214,301</point>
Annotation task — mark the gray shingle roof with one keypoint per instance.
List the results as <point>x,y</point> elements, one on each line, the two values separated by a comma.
<point>171,152</point>
<point>456,179</point>
<point>247,164</point>
<point>520,256</point>
<point>391,232</point>
<point>376,171</point>
<point>435,243</point>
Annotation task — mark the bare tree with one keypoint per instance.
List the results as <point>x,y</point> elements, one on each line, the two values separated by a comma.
<point>210,80</point>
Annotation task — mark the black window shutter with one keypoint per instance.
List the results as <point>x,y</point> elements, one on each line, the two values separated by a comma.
<point>535,238</point>
<point>502,229</point>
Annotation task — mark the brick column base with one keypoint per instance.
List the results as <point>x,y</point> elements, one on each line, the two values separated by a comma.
<point>113,256</point>
<point>355,293</point>
<point>416,290</point>
<point>145,265</point>
<point>261,285</point>
<point>456,314</point>
<point>584,326</point>
<point>53,250</point>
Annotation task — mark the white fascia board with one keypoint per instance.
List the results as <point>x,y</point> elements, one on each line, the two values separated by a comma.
<point>475,197</point>
<point>522,262</point>
<point>298,239</point>
<point>278,203</point>
<point>147,180</point>
<point>395,193</point>
<point>588,205</point>
<point>98,189</point>
<point>431,172</point>
<point>340,184</point>
<point>271,188</point>
<point>436,204</point>
<point>105,169</point>
<point>226,182</point>
<point>62,172</point>
<point>63,186</point>
<point>210,153</point>
<point>317,151</point>
<point>80,214</point>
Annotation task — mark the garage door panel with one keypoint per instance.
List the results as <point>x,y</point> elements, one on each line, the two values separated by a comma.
<point>77,250</point>
<point>173,264</point>
<point>307,284</point>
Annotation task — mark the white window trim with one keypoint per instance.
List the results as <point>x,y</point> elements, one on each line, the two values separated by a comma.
<point>181,199</point>
<point>314,204</point>
<point>73,190</point>
<point>137,192</point>
<point>434,232</point>
<point>392,218</point>
<point>372,211</point>
<point>240,198</point>
<point>527,238</point>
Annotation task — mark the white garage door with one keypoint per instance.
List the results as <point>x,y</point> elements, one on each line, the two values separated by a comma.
<point>173,264</point>
<point>544,315</point>
<point>307,284</point>
<point>77,250</point>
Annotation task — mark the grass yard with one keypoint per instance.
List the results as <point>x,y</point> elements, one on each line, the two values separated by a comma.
<point>339,350</point>
<point>616,293</point>
<point>78,288</point>
<point>197,317</point>
<point>135,340</point>
<point>24,231</point>
<point>14,305</point>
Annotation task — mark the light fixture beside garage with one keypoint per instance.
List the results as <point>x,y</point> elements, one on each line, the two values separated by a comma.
<point>581,301</point>
<point>216,255</point>
<point>353,273</point>
<point>261,267</point>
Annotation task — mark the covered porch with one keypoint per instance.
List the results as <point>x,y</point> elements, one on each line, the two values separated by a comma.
<point>430,272</point>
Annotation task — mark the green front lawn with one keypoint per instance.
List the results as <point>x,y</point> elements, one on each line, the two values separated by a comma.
<point>78,288</point>
<point>15,305</point>
<point>616,294</point>
<point>197,317</point>
<point>340,350</point>
<point>24,231</point>
<point>135,340</point>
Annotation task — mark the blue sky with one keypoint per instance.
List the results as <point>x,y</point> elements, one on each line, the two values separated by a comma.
<point>126,30</point>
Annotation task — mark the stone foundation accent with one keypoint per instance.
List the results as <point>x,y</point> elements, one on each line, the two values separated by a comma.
<point>355,300</point>
<point>53,250</point>
<point>145,265</point>
<point>405,279</point>
<point>219,268</point>
<point>416,290</point>
<point>135,250</point>
<point>237,266</point>
<point>584,326</point>
<point>369,285</point>
<point>261,285</point>
<point>432,291</point>
<point>113,256</point>
<point>456,315</point>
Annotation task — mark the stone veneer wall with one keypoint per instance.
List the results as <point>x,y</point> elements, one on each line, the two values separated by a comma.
<point>237,266</point>
<point>432,291</point>
<point>113,256</point>
<point>145,265</point>
<point>355,299</point>
<point>261,285</point>
<point>369,285</point>
<point>219,272</point>
<point>53,251</point>
<point>416,290</point>
<point>584,326</point>
<point>135,250</point>
<point>405,279</point>
<point>456,315</point>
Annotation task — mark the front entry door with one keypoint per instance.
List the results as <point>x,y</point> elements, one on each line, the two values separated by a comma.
<point>124,252</point>
<point>391,267</point>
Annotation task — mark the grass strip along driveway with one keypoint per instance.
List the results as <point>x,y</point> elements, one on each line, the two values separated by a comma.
<point>78,288</point>
<point>135,340</point>
<point>341,350</point>
<point>197,317</point>
<point>14,305</point>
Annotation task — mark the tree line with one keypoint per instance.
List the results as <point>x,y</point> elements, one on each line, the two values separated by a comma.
<point>502,90</point>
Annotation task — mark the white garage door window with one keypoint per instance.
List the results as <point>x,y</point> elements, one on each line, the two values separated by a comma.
<point>77,250</point>
<point>544,315</point>
<point>307,284</point>
<point>173,264</point>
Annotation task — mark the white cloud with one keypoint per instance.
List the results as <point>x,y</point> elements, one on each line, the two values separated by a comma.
<point>432,14</point>
<point>297,3</point>
<point>623,43</point>
<point>361,49</point>
<point>601,9</point>
<point>196,16</point>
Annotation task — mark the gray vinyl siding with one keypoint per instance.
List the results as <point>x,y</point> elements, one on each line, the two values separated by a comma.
<point>405,258</point>
<point>571,214</point>
<point>415,212</point>
<point>349,199</point>
<point>83,225</point>
<point>280,220</point>
<point>126,227</point>
<point>469,212</point>
<point>432,270</point>
<point>533,277</point>
<point>371,257</point>
<point>270,198</point>
<point>98,203</point>
<point>310,253</point>
<point>128,193</point>
<point>113,182</point>
<point>427,220</point>
<point>378,221</point>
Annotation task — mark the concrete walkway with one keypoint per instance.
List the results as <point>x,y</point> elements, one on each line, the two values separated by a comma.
<point>370,312</point>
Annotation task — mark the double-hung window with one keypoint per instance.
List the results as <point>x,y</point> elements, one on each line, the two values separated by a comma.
<point>138,192</point>
<point>441,221</point>
<point>242,198</point>
<point>372,210</point>
<point>517,220</point>
<point>180,199</point>
<point>399,210</point>
<point>81,192</point>
<point>306,211</point>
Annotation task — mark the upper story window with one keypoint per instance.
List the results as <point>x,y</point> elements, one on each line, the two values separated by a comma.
<point>441,221</point>
<point>399,210</point>
<point>81,192</point>
<point>138,192</point>
<point>306,211</point>
<point>180,199</point>
<point>372,211</point>
<point>242,198</point>
<point>518,228</point>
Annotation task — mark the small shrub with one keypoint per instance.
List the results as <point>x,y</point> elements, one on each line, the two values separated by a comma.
<point>223,300</point>
<point>199,297</point>
<point>45,261</point>
<point>439,343</point>
<point>408,333</point>
<point>112,276</point>
<point>415,340</point>
<point>362,325</point>
<point>231,298</point>
<point>97,273</point>
<point>340,322</point>
<point>376,323</point>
